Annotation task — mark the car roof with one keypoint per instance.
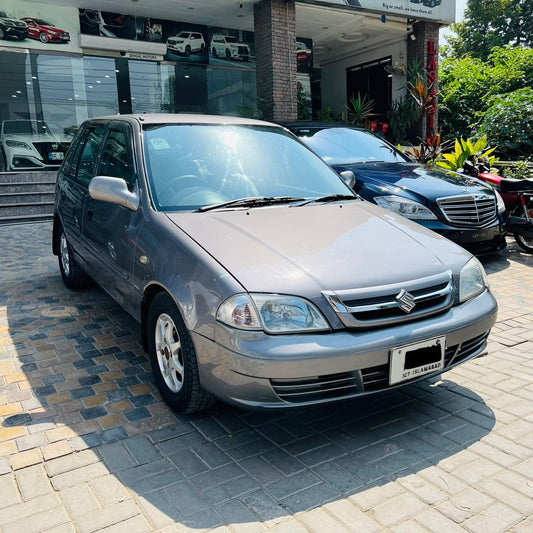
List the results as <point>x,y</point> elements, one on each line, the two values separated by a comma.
<point>185,118</point>
<point>299,127</point>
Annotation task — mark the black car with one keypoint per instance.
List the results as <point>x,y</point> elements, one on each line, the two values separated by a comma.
<point>463,209</point>
<point>11,27</point>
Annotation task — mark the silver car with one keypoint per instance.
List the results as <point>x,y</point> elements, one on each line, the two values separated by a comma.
<point>257,275</point>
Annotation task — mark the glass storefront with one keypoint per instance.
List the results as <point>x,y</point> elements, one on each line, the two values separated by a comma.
<point>50,94</point>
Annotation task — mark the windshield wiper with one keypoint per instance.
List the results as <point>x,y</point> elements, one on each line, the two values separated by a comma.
<point>252,201</point>
<point>330,198</point>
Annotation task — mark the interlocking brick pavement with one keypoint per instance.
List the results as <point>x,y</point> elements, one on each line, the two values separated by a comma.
<point>86,444</point>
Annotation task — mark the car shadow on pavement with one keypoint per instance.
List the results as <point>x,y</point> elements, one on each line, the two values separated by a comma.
<point>79,398</point>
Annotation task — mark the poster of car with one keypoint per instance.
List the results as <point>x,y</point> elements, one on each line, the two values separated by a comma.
<point>441,10</point>
<point>304,54</point>
<point>39,26</point>
<point>184,41</point>
<point>231,46</point>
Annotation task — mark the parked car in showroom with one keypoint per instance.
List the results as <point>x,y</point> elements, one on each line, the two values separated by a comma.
<point>44,31</point>
<point>186,43</point>
<point>257,275</point>
<point>461,208</point>
<point>30,145</point>
<point>12,27</point>
<point>227,46</point>
<point>303,54</point>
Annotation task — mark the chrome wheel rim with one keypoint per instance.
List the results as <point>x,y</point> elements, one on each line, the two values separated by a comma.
<point>169,352</point>
<point>65,256</point>
<point>525,241</point>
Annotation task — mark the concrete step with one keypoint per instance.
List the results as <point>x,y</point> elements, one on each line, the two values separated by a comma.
<point>24,209</point>
<point>28,177</point>
<point>21,219</point>
<point>26,198</point>
<point>37,186</point>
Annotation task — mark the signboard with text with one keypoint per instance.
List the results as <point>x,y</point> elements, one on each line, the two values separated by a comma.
<point>438,10</point>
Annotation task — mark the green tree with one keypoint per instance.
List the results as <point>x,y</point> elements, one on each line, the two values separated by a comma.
<point>468,86</point>
<point>491,23</point>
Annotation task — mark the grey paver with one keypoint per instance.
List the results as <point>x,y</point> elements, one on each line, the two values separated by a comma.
<point>38,522</point>
<point>106,517</point>
<point>33,482</point>
<point>9,491</point>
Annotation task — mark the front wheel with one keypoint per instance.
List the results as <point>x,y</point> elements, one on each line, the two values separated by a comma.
<point>524,242</point>
<point>173,358</point>
<point>2,33</point>
<point>73,275</point>
<point>43,37</point>
<point>187,50</point>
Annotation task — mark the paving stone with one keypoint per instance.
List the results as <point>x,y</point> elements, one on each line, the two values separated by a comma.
<point>495,519</point>
<point>27,458</point>
<point>351,517</point>
<point>79,500</point>
<point>14,513</point>
<point>158,509</point>
<point>73,477</point>
<point>38,522</point>
<point>33,482</point>
<point>137,524</point>
<point>142,449</point>
<point>116,457</point>
<point>71,462</point>
<point>242,520</point>
<point>106,517</point>
<point>9,492</point>
<point>109,490</point>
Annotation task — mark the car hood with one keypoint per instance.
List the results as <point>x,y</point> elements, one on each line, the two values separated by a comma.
<point>428,181</point>
<point>304,250</point>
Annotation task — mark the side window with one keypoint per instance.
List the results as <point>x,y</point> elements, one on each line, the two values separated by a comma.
<point>117,156</point>
<point>88,152</point>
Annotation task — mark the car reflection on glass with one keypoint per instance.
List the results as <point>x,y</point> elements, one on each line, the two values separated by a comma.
<point>256,274</point>
<point>461,208</point>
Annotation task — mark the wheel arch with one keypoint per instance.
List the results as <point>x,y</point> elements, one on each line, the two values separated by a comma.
<point>56,231</point>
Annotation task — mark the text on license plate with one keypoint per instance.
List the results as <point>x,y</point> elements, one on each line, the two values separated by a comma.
<point>414,360</point>
<point>56,156</point>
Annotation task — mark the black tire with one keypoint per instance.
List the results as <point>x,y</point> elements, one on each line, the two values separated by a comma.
<point>214,52</point>
<point>202,48</point>
<point>43,37</point>
<point>228,53</point>
<point>524,243</point>
<point>187,50</point>
<point>74,277</point>
<point>173,358</point>
<point>2,33</point>
<point>3,162</point>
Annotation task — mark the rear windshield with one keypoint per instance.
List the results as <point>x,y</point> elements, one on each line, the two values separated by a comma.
<point>190,166</point>
<point>345,145</point>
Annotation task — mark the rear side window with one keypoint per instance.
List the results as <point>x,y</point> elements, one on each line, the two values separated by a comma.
<point>117,155</point>
<point>86,153</point>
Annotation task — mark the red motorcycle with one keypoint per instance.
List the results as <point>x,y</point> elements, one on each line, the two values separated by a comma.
<point>517,196</point>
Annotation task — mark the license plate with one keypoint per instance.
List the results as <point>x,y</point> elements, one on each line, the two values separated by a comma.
<point>414,360</point>
<point>56,156</point>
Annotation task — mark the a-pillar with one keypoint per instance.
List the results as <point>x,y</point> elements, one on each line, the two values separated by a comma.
<point>275,53</point>
<point>424,49</point>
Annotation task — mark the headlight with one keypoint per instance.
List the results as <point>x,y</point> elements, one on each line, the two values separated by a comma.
<point>473,280</point>
<point>272,313</point>
<point>18,144</point>
<point>499,202</point>
<point>405,207</point>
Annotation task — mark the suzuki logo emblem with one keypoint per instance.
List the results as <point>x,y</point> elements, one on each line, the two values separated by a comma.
<point>406,301</point>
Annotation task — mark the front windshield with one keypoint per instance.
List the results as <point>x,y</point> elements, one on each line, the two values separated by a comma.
<point>230,39</point>
<point>26,127</point>
<point>42,22</point>
<point>191,166</point>
<point>339,146</point>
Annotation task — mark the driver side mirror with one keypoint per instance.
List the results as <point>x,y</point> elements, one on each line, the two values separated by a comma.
<point>113,191</point>
<point>348,177</point>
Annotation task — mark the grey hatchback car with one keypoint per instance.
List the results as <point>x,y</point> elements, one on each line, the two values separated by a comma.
<point>256,274</point>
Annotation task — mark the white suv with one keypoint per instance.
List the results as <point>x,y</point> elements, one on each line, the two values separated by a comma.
<point>229,47</point>
<point>186,42</point>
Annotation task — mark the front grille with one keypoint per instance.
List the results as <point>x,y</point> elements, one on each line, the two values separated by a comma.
<point>243,50</point>
<point>376,307</point>
<point>45,148</point>
<point>317,387</point>
<point>478,210</point>
<point>455,354</point>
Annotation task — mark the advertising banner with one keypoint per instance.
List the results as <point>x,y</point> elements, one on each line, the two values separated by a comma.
<point>25,24</point>
<point>438,10</point>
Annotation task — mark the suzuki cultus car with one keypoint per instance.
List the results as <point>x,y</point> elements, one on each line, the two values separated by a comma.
<point>256,274</point>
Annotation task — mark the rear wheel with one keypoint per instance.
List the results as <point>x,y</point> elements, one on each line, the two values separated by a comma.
<point>187,50</point>
<point>525,243</point>
<point>228,54</point>
<point>73,275</point>
<point>173,358</point>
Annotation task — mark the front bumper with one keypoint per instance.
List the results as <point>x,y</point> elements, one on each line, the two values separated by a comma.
<point>476,240</point>
<point>250,368</point>
<point>16,31</point>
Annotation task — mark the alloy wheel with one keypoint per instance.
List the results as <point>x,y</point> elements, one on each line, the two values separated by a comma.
<point>64,254</point>
<point>169,352</point>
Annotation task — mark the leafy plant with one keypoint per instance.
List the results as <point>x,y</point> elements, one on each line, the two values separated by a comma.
<point>509,123</point>
<point>519,171</point>
<point>402,116</point>
<point>303,101</point>
<point>464,149</point>
<point>429,149</point>
<point>325,115</point>
<point>359,109</point>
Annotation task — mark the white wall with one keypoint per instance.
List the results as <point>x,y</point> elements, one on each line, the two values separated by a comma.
<point>333,82</point>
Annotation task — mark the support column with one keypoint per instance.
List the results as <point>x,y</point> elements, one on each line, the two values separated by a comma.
<point>425,49</point>
<point>275,54</point>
